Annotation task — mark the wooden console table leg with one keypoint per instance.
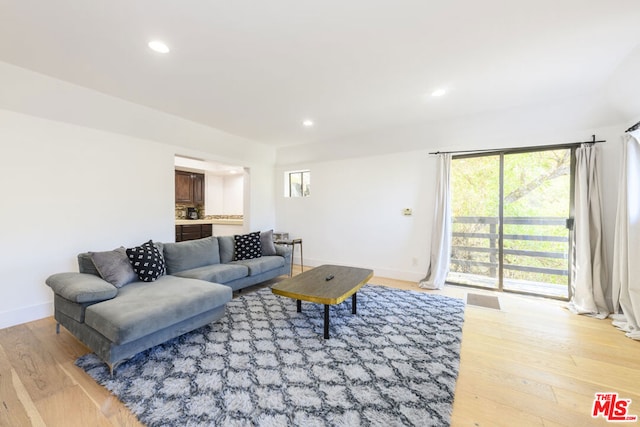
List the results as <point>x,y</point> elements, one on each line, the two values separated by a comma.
<point>353,304</point>
<point>298,306</point>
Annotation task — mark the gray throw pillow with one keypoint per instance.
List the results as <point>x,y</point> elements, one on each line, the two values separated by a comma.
<point>266,241</point>
<point>86,265</point>
<point>114,266</point>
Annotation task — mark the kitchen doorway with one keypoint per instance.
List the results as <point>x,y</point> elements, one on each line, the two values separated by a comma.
<point>218,193</point>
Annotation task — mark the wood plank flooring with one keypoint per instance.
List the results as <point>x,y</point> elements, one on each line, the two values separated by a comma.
<point>532,363</point>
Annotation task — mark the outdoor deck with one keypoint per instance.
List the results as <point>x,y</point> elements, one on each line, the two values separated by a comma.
<point>523,286</point>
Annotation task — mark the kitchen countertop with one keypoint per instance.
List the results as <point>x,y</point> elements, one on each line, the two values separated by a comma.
<point>209,221</point>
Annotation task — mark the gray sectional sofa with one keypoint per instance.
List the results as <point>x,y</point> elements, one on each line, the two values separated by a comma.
<point>117,316</point>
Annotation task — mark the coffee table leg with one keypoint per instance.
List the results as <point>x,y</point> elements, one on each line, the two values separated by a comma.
<point>298,305</point>
<point>353,304</point>
<point>326,321</point>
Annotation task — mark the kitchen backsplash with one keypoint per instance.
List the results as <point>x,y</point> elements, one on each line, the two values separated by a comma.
<point>181,213</point>
<point>224,217</point>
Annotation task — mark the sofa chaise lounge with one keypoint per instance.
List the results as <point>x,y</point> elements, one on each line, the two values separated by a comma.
<point>117,315</point>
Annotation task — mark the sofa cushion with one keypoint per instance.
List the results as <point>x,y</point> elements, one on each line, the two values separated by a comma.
<point>262,264</point>
<point>247,246</point>
<point>191,254</point>
<point>114,266</point>
<point>266,242</point>
<point>80,287</point>
<point>226,244</point>
<point>143,308</point>
<point>218,273</point>
<point>147,261</point>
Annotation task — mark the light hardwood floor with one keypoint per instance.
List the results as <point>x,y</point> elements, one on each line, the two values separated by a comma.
<point>530,364</point>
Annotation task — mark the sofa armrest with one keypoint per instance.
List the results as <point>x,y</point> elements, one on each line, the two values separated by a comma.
<point>283,250</point>
<point>286,252</point>
<point>81,287</point>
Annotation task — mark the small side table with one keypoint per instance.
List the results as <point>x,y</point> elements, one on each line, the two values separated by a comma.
<point>292,243</point>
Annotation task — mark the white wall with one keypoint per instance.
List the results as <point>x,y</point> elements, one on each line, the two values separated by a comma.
<point>227,230</point>
<point>259,198</point>
<point>353,215</point>
<point>70,189</point>
<point>225,194</point>
<point>38,95</point>
<point>73,180</point>
<point>233,199</point>
<point>518,126</point>
<point>623,90</point>
<point>214,198</point>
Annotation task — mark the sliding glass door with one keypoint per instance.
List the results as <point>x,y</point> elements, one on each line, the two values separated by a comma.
<point>511,212</point>
<point>475,204</point>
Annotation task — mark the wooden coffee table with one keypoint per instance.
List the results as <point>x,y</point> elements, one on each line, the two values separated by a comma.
<point>326,284</point>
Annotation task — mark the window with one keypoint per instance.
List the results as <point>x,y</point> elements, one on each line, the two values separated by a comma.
<point>297,183</point>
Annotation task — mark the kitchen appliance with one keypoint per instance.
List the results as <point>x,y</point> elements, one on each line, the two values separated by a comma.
<point>192,213</point>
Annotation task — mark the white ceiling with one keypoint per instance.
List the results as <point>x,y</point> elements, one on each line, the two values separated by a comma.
<point>258,68</point>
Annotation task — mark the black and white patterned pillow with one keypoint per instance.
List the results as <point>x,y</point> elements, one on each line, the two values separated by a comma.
<point>247,246</point>
<point>147,261</point>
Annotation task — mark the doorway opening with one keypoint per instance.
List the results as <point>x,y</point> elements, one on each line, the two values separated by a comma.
<point>511,221</point>
<point>214,190</point>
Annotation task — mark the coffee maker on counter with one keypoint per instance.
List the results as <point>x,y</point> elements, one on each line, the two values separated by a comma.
<point>192,213</point>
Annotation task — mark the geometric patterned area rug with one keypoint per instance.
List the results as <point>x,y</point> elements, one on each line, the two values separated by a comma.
<point>263,364</point>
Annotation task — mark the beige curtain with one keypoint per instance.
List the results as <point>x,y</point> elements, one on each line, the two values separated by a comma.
<point>589,267</point>
<point>441,228</point>
<point>626,253</point>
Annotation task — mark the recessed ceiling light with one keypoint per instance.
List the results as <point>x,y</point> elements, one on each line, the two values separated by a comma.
<point>438,92</point>
<point>158,46</point>
<point>307,123</point>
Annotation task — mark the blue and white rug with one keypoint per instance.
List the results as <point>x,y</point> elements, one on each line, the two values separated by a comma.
<point>263,364</point>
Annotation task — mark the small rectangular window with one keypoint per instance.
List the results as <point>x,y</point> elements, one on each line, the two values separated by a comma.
<point>297,183</point>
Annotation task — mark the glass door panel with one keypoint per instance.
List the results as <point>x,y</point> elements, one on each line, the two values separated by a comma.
<point>536,205</point>
<point>475,189</point>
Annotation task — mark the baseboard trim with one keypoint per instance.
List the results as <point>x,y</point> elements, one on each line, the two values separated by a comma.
<point>25,314</point>
<point>409,276</point>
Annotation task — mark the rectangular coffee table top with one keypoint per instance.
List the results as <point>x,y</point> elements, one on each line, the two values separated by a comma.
<point>312,285</point>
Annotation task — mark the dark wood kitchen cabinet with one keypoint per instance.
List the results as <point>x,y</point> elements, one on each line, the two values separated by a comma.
<point>198,189</point>
<point>193,231</point>
<point>189,188</point>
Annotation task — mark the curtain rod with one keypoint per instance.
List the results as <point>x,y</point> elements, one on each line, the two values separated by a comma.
<point>533,147</point>
<point>632,128</point>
